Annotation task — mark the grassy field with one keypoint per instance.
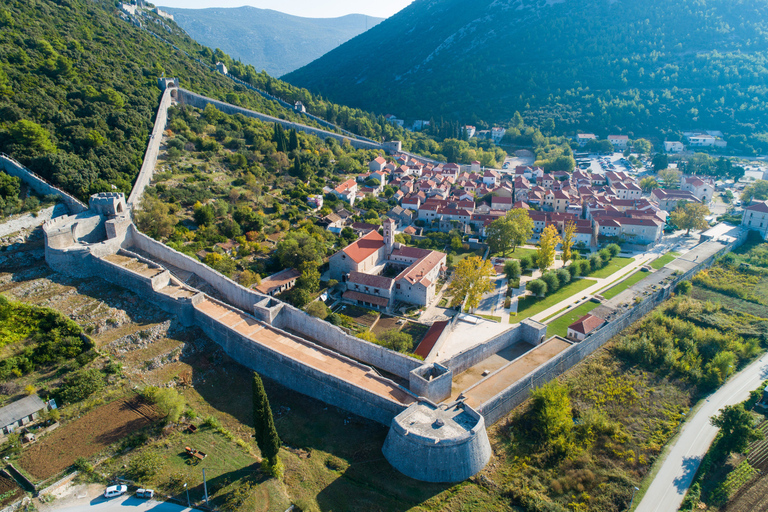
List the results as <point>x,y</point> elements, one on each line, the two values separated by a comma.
<point>520,252</point>
<point>613,266</point>
<point>661,262</point>
<point>634,278</point>
<point>529,305</point>
<point>559,326</point>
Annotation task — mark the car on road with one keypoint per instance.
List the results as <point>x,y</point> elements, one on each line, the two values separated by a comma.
<point>146,494</point>
<point>115,490</point>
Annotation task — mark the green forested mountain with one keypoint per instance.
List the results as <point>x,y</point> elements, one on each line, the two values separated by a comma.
<point>273,41</point>
<point>78,89</point>
<point>642,66</point>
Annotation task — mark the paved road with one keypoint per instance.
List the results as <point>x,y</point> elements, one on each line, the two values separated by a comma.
<point>668,488</point>
<point>124,504</point>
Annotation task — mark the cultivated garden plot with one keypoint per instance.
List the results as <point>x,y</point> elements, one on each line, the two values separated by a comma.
<point>86,436</point>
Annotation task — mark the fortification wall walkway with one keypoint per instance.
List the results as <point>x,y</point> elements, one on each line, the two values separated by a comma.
<point>153,149</point>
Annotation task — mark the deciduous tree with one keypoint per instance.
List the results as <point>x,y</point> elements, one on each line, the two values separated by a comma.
<point>545,257</point>
<point>568,233</point>
<point>471,279</point>
<point>737,429</point>
<point>690,216</point>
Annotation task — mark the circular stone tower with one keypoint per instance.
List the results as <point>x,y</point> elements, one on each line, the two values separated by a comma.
<point>438,443</point>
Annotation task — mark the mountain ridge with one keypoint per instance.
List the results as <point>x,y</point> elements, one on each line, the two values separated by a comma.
<point>268,39</point>
<point>645,67</point>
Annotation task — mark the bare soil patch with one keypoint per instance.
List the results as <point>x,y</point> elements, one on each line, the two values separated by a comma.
<point>86,436</point>
<point>9,491</point>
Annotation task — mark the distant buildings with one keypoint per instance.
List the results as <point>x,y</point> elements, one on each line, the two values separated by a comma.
<point>668,200</point>
<point>619,141</point>
<point>673,146</point>
<point>584,138</point>
<point>221,68</point>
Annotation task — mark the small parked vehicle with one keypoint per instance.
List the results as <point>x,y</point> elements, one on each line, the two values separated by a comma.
<point>115,490</point>
<point>146,494</point>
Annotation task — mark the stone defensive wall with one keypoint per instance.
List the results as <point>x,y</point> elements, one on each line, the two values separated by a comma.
<point>153,149</point>
<point>39,184</point>
<point>277,313</point>
<point>291,360</point>
<point>559,355</point>
<point>196,100</point>
<point>438,443</point>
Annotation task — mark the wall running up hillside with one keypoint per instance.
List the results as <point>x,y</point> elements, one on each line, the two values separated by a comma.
<point>196,100</point>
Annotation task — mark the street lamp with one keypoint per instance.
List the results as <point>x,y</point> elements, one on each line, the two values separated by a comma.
<point>189,505</point>
<point>634,490</point>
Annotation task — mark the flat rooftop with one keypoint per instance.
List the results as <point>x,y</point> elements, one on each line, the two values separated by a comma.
<point>134,265</point>
<point>473,375</point>
<point>439,423</point>
<point>514,371</point>
<point>305,352</point>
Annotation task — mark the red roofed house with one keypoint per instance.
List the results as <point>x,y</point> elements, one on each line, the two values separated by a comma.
<point>756,218</point>
<point>278,283</point>
<point>362,255</point>
<point>582,328</point>
<point>377,164</point>
<point>347,191</point>
<point>669,199</point>
<point>701,188</point>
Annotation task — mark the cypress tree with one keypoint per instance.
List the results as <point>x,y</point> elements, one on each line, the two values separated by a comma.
<point>293,140</point>
<point>263,422</point>
<point>259,398</point>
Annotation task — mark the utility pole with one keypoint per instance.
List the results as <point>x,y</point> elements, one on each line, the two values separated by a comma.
<point>189,505</point>
<point>634,490</point>
<point>205,488</point>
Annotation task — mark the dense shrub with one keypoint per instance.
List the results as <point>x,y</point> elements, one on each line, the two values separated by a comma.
<point>537,287</point>
<point>553,282</point>
<point>595,262</point>
<point>512,269</point>
<point>80,385</point>
<point>613,249</point>
<point>563,276</point>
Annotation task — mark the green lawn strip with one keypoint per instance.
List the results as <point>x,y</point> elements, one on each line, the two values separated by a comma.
<point>491,318</point>
<point>559,327</point>
<point>667,258</point>
<point>520,252</point>
<point>612,267</point>
<point>529,306</point>
<point>626,283</point>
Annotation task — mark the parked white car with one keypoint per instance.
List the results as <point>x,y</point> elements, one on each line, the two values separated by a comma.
<point>146,494</point>
<point>115,490</point>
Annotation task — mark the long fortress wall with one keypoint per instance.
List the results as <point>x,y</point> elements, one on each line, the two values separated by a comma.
<point>195,100</point>
<point>39,185</point>
<point>286,317</point>
<point>153,149</point>
<point>101,260</point>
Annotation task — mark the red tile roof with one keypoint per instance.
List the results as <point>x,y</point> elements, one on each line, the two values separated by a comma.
<point>370,280</point>
<point>365,246</point>
<point>429,340</point>
<point>371,299</point>
<point>761,207</point>
<point>586,324</point>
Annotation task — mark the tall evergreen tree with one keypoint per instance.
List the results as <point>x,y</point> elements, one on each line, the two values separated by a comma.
<point>293,142</point>
<point>263,422</point>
